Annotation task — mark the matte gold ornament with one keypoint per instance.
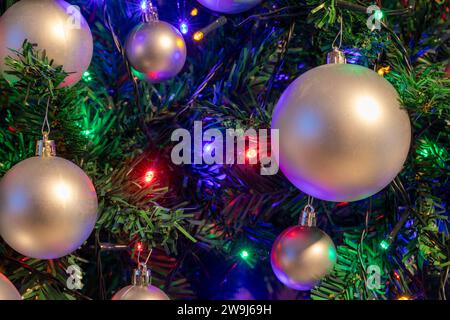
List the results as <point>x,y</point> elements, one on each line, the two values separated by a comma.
<point>48,205</point>
<point>56,26</point>
<point>7,290</point>
<point>302,255</point>
<point>156,51</point>
<point>343,133</point>
<point>230,6</point>
<point>141,289</point>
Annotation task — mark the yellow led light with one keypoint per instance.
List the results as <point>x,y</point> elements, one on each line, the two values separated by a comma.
<point>194,12</point>
<point>198,36</point>
<point>384,70</point>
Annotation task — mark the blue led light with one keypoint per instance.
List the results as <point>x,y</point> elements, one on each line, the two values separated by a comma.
<point>184,28</point>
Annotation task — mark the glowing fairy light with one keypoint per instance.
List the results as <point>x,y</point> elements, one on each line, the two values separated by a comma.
<point>149,175</point>
<point>194,12</point>
<point>184,28</point>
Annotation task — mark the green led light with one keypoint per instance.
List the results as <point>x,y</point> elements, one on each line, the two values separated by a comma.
<point>87,76</point>
<point>378,14</point>
<point>86,132</point>
<point>384,245</point>
<point>244,254</point>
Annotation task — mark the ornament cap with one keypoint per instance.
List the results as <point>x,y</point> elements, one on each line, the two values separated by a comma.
<point>336,56</point>
<point>45,147</point>
<point>142,276</point>
<point>308,217</point>
<point>150,11</point>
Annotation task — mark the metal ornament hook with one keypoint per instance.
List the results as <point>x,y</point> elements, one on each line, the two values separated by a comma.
<point>308,216</point>
<point>142,276</point>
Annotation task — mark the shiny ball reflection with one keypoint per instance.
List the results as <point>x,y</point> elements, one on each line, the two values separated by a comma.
<point>302,256</point>
<point>48,207</point>
<point>156,51</point>
<point>343,133</point>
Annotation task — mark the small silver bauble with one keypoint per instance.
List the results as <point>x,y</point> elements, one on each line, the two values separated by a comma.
<point>56,27</point>
<point>156,51</point>
<point>230,6</point>
<point>48,206</point>
<point>343,134</point>
<point>7,290</point>
<point>302,255</point>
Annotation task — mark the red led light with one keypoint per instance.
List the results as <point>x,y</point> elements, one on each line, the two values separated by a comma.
<point>139,246</point>
<point>252,153</point>
<point>149,175</point>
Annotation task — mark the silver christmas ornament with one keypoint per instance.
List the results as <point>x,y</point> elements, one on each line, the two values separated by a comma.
<point>7,290</point>
<point>48,205</point>
<point>141,289</point>
<point>56,26</point>
<point>229,6</point>
<point>156,51</point>
<point>343,134</point>
<point>302,255</point>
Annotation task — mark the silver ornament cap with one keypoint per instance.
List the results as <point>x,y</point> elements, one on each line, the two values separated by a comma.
<point>336,56</point>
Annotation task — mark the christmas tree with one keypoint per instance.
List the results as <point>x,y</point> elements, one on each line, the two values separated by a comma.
<point>205,229</point>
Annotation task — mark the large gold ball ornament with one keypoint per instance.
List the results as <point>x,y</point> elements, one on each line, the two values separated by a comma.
<point>343,134</point>
<point>301,256</point>
<point>56,26</point>
<point>229,6</point>
<point>139,292</point>
<point>156,51</point>
<point>48,207</point>
<point>7,290</point>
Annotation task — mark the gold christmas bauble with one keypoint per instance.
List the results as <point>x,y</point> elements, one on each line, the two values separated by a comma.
<point>343,134</point>
<point>48,207</point>
<point>7,290</point>
<point>56,27</point>
<point>140,292</point>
